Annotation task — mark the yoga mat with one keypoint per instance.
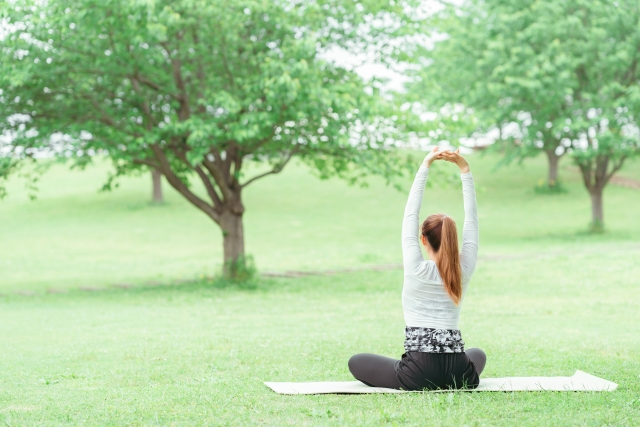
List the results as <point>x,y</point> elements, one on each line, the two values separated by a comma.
<point>580,381</point>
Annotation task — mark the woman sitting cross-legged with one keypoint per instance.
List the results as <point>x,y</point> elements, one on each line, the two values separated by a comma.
<point>433,291</point>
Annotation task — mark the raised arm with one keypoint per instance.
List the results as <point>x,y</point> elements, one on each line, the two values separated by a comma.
<point>470,231</point>
<point>411,254</point>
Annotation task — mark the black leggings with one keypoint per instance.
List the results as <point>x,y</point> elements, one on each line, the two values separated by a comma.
<point>417,371</point>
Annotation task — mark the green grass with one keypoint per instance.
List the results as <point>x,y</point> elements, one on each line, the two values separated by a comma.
<point>547,298</point>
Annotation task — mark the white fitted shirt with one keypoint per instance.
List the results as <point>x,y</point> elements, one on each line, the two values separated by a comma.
<point>424,299</point>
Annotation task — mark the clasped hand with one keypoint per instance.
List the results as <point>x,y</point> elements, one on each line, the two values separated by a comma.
<point>449,156</point>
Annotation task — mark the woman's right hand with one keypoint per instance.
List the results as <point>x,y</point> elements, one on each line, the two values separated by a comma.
<point>455,157</point>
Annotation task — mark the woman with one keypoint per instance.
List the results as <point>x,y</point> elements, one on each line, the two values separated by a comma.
<point>433,291</point>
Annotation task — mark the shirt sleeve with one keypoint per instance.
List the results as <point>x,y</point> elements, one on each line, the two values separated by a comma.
<point>411,253</point>
<point>470,231</point>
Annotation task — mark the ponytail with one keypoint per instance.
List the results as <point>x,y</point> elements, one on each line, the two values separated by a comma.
<point>440,231</point>
<point>449,260</point>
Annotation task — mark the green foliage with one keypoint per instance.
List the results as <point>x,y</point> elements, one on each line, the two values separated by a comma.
<point>537,65</point>
<point>131,78</point>
<point>7,165</point>
<point>551,76</point>
<point>25,168</point>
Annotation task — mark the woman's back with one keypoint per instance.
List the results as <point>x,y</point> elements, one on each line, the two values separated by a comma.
<point>425,300</point>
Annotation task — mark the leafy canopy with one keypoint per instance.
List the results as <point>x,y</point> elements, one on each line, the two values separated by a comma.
<point>550,75</point>
<point>195,87</point>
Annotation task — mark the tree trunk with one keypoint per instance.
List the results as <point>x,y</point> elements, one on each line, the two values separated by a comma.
<point>233,241</point>
<point>156,178</point>
<point>553,167</point>
<point>597,212</point>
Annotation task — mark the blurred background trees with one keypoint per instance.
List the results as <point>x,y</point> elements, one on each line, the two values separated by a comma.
<point>550,77</point>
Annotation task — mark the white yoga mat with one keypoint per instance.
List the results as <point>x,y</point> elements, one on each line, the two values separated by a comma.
<point>580,381</point>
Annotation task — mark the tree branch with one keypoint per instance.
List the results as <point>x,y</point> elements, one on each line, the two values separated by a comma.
<point>184,112</point>
<point>146,162</point>
<point>200,75</point>
<point>236,168</point>
<point>105,118</point>
<point>150,84</point>
<point>225,63</point>
<point>276,169</point>
<point>144,104</point>
<point>177,183</point>
<point>232,153</point>
<point>217,174</point>
<point>602,164</point>
<point>586,174</point>
<point>615,169</point>
<point>210,189</point>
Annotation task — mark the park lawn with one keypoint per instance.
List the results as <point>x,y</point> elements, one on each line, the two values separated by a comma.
<point>192,354</point>
<point>547,298</point>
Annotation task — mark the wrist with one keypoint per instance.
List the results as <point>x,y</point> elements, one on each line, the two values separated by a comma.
<point>464,169</point>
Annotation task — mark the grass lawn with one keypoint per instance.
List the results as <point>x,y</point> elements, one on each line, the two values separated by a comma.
<point>546,299</point>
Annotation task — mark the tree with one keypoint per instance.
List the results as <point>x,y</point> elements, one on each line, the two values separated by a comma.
<point>563,74</point>
<point>198,88</point>
<point>156,181</point>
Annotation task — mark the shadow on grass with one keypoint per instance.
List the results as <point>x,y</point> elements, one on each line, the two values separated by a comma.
<point>586,235</point>
<point>216,287</point>
<point>199,286</point>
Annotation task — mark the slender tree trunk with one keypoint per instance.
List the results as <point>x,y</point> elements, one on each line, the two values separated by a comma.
<point>233,241</point>
<point>156,178</point>
<point>597,211</point>
<point>220,178</point>
<point>554,159</point>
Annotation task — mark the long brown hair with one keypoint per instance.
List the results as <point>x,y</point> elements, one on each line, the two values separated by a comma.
<point>440,232</point>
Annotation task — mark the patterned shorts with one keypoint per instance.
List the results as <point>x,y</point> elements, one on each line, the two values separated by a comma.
<point>430,340</point>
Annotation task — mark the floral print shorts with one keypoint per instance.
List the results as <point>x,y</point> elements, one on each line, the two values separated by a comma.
<point>430,340</point>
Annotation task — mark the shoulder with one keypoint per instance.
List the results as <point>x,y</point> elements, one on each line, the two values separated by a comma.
<point>427,269</point>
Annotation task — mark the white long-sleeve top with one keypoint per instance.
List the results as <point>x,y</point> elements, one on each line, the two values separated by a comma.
<point>424,299</point>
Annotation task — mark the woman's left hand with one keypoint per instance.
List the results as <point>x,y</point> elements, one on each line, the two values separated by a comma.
<point>433,156</point>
